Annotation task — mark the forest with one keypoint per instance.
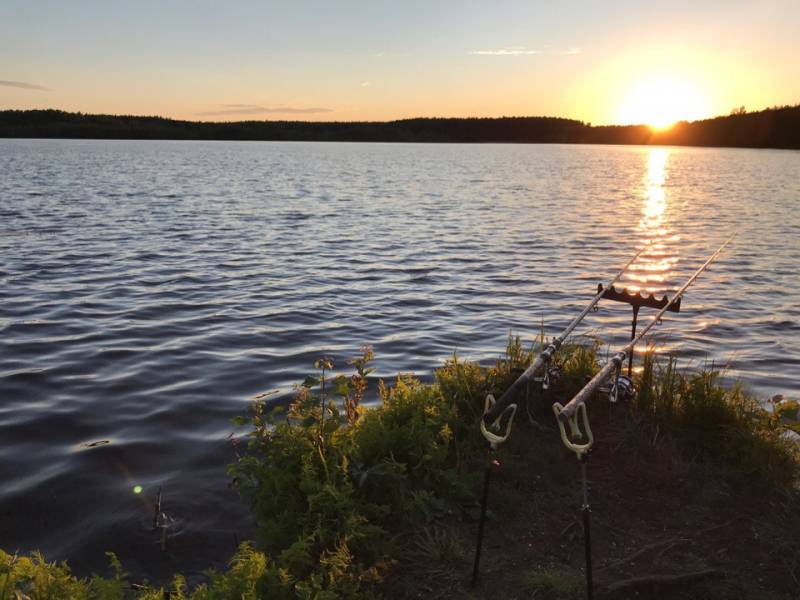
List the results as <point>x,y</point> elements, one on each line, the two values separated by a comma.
<point>777,127</point>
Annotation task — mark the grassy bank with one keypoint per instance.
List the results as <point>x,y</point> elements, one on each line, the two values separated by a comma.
<point>692,489</point>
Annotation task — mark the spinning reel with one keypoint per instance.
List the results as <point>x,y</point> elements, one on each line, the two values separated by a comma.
<point>620,389</point>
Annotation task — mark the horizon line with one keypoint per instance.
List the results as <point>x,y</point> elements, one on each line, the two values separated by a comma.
<point>387,121</point>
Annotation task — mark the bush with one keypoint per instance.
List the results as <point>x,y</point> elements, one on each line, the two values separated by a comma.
<point>329,485</point>
<point>723,426</point>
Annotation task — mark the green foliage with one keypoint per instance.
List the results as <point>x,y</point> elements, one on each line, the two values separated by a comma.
<point>579,364</point>
<point>33,577</point>
<point>712,423</point>
<point>547,585</point>
<point>330,483</point>
<point>351,390</point>
<point>249,577</point>
<point>788,413</point>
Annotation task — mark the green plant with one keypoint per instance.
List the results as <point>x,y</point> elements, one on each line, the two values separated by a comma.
<point>720,425</point>
<point>547,585</point>
<point>327,485</point>
<point>352,389</point>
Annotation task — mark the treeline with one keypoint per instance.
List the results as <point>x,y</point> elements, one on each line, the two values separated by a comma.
<point>771,128</point>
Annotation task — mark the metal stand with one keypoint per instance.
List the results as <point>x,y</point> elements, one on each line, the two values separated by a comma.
<point>637,301</point>
<point>581,450</point>
<point>494,440</point>
<point>587,535</point>
<point>484,503</point>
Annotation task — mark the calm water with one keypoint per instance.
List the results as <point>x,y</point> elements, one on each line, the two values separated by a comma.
<point>149,289</point>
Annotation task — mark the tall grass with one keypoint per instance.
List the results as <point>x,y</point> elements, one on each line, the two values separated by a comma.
<point>724,426</point>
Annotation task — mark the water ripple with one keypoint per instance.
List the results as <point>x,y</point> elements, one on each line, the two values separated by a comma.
<point>151,289</point>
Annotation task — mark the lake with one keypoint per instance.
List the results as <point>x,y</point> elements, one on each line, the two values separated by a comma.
<point>150,289</point>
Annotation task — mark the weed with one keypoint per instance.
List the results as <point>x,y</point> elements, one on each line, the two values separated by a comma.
<point>547,585</point>
<point>726,427</point>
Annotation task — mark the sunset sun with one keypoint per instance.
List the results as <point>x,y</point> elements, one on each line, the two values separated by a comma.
<point>661,101</point>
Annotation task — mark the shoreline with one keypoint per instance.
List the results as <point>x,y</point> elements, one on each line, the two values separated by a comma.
<point>665,449</point>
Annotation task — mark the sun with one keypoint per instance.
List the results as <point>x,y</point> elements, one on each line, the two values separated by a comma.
<point>661,101</point>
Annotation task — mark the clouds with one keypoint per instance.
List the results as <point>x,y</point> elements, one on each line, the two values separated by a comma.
<point>256,109</point>
<point>23,85</point>
<point>522,51</point>
<point>507,51</point>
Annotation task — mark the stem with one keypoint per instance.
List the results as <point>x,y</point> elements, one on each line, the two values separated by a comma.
<point>322,400</point>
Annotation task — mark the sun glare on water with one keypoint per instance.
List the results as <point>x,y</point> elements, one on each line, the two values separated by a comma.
<point>661,102</point>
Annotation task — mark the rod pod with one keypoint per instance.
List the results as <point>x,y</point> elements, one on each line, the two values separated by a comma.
<point>546,355</point>
<point>616,361</point>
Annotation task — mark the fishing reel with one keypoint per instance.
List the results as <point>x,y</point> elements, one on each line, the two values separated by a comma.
<point>620,390</point>
<point>552,376</point>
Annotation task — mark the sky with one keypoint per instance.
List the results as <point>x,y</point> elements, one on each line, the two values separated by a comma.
<point>612,61</point>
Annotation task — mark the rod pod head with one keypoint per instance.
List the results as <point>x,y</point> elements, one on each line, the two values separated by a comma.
<point>575,431</point>
<point>493,438</point>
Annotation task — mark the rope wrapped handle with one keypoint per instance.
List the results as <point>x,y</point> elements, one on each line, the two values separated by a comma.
<point>575,430</point>
<point>493,438</point>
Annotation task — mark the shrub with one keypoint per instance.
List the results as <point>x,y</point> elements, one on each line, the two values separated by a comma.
<point>711,423</point>
<point>327,487</point>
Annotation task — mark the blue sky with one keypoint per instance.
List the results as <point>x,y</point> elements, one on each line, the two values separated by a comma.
<point>381,60</point>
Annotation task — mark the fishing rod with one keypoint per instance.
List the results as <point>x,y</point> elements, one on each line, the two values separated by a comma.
<point>499,415</point>
<point>615,363</point>
<point>496,410</point>
<point>574,413</point>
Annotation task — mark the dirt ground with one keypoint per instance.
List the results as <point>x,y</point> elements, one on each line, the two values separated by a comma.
<point>661,526</point>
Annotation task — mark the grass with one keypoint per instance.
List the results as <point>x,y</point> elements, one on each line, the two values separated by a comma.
<point>548,585</point>
<point>360,503</point>
<point>726,427</point>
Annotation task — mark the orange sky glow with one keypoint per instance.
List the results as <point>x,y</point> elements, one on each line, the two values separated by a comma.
<point>615,62</point>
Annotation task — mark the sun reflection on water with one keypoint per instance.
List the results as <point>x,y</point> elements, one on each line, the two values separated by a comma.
<point>654,267</point>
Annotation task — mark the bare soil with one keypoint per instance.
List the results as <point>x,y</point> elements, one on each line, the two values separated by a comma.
<point>662,526</point>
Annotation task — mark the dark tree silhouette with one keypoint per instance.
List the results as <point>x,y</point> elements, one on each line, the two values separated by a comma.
<point>777,127</point>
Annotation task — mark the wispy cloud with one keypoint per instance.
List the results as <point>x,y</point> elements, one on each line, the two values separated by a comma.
<point>523,51</point>
<point>507,51</point>
<point>365,84</point>
<point>384,54</point>
<point>256,109</point>
<point>23,85</point>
